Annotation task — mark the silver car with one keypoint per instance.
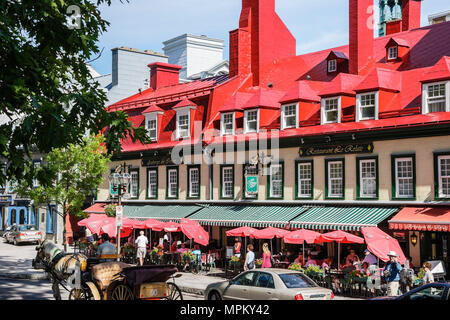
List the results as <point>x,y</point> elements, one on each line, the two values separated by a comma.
<point>268,284</point>
<point>23,233</point>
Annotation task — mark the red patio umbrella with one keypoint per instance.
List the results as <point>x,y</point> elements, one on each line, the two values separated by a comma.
<point>193,230</point>
<point>111,230</point>
<point>340,237</point>
<point>95,226</point>
<point>153,224</point>
<point>169,227</point>
<point>269,233</point>
<point>241,232</point>
<point>300,237</point>
<point>380,243</point>
<point>91,218</point>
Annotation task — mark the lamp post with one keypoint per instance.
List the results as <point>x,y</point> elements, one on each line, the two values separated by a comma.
<point>120,181</point>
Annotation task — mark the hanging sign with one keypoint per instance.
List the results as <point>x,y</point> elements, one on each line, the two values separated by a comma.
<point>119,216</point>
<point>336,149</point>
<point>251,184</point>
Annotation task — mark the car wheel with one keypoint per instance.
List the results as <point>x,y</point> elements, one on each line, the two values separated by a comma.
<point>15,242</point>
<point>214,296</point>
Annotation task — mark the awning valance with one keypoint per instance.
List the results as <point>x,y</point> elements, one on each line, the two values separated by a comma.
<point>341,218</point>
<point>247,215</point>
<point>96,208</point>
<point>159,212</point>
<point>422,219</point>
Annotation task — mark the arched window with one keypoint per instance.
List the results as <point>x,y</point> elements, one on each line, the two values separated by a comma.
<point>13,216</point>
<point>22,216</point>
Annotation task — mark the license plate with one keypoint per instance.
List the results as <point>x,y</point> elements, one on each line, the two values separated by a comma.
<point>153,290</point>
<point>318,296</point>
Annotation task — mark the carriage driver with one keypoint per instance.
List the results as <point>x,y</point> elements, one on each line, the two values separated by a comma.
<point>107,248</point>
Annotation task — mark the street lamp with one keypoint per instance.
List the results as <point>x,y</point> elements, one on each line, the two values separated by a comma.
<point>120,182</point>
<point>414,239</point>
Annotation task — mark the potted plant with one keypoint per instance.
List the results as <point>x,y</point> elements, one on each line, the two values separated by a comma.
<point>314,271</point>
<point>187,257</point>
<point>258,263</point>
<point>296,267</point>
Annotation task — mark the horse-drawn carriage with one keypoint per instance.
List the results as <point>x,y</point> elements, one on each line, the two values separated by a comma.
<point>98,280</point>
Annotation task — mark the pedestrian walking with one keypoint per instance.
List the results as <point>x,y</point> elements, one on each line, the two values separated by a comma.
<point>142,242</point>
<point>392,273</point>
<point>249,263</point>
<point>267,263</point>
<point>237,248</point>
<point>428,277</point>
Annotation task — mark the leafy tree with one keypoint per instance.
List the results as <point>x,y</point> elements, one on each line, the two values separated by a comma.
<point>79,169</point>
<point>48,98</point>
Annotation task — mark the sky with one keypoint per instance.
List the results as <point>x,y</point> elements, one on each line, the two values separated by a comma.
<point>145,24</point>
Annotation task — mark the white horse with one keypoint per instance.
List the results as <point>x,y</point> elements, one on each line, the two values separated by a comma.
<point>59,265</point>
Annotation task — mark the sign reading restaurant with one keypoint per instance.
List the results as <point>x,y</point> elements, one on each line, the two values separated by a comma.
<point>336,149</point>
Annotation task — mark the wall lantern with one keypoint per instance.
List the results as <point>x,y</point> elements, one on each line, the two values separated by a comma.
<point>414,239</point>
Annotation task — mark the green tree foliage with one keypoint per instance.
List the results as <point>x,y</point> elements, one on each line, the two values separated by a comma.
<point>78,169</point>
<point>48,98</point>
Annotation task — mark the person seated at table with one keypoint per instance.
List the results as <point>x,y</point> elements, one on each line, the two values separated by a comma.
<point>326,264</point>
<point>173,247</point>
<point>196,249</point>
<point>107,248</point>
<point>365,268</point>
<point>299,259</point>
<point>310,262</point>
<point>369,257</point>
<point>351,258</point>
<point>166,245</point>
<point>182,248</point>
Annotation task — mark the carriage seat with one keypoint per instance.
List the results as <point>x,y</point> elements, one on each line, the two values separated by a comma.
<point>107,272</point>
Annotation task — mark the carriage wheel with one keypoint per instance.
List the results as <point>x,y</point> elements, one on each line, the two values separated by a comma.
<point>79,294</point>
<point>122,292</point>
<point>173,292</point>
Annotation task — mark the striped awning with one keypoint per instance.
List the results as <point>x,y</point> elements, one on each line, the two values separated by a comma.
<point>247,215</point>
<point>159,212</point>
<point>342,218</point>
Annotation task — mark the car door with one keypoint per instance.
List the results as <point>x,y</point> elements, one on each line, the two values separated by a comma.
<point>430,293</point>
<point>263,288</point>
<point>239,287</point>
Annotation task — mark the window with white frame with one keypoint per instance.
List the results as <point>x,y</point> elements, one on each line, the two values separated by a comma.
<point>227,123</point>
<point>331,110</point>
<point>227,182</point>
<point>36,165</point>
<point>152,183</point>
<point>392,53</point>
<point>335,179</point>
<point>404,177</point>
<point>436,97</point>
<point>304,180</point>
<point>368,178</point>
<point>172,183</point>
<point>332,65</point>
<point>152,127</point>
<point>194,182</point>
<point>251,120</point>
<point>183,127</point>
<point>289,116</point>
<point>276,181</point>
<point>134,184</point>
<point>367,105</point>
<point>444,176</point>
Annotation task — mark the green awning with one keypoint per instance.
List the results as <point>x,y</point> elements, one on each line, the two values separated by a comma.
<point>247,215</point>
<point>341,218</point>
<point>159,212</point>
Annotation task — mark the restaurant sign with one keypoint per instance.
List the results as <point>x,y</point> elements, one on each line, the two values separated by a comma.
<point>251,184</point>
<point>157,161</point>
<point>5,198</point>
<point>336,149</point>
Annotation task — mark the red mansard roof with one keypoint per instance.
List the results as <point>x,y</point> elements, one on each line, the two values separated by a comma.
<point>153,108</point>
<point>439,71</point>
<point>381,79</point>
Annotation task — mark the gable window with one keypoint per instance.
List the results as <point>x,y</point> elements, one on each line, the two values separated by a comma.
<point>133,189</point>
<point>304,179</point>
<point>152,127</point>
<point>335,178</point>
<point>368,178</point>
<point>183,127</point>
<point>227,123</point>
<point>275,180</point>
<point>172,183</point>
<point>251,120</point>
<point>436,97</point>
<point>443,176</point>
<point>289,118</point>
<point>152,176</point>
<point>392,53</point>
<point>36,165</point>
<point>332,65</point>
<point>367,105</point>
<point>331,110</point>
<point>194,182</point>
<point>404,177</point>
<point>227,181</point>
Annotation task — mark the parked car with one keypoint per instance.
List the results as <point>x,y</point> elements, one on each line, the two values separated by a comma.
<point>23,233</point>
<point>268,284</point>
<point>431,291</point>
<point>7,230</point>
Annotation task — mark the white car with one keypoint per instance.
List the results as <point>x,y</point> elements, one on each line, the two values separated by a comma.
<point>23,233</point>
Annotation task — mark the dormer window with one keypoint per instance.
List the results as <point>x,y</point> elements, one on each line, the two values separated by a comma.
<point>331,110</point>
<point>436,97</point>
<point>152,126</point>
<point>332,66</point>
<point>392,53</point>
<point>227,123</point>
<point>251,121</point>
<point>183,124</point>
<point>289,116</point>
<point>367,106</point>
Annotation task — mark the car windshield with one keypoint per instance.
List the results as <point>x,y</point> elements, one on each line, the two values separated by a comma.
<point>27,228</point>
<point>296,280</point>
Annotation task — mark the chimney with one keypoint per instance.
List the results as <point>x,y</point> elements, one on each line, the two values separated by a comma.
<point>411,14</point>
<point>262,37</point>
<point>163,75</point>
<point>361,34</point>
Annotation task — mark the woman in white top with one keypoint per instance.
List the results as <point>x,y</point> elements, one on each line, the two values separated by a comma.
<point>249,263</point>
<point>428,277</point>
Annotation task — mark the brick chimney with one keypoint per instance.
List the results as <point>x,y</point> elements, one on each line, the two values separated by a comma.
<point>361,34</point>
<point>163,75</point>
<point>262,37</point>
<point>411,14</point>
